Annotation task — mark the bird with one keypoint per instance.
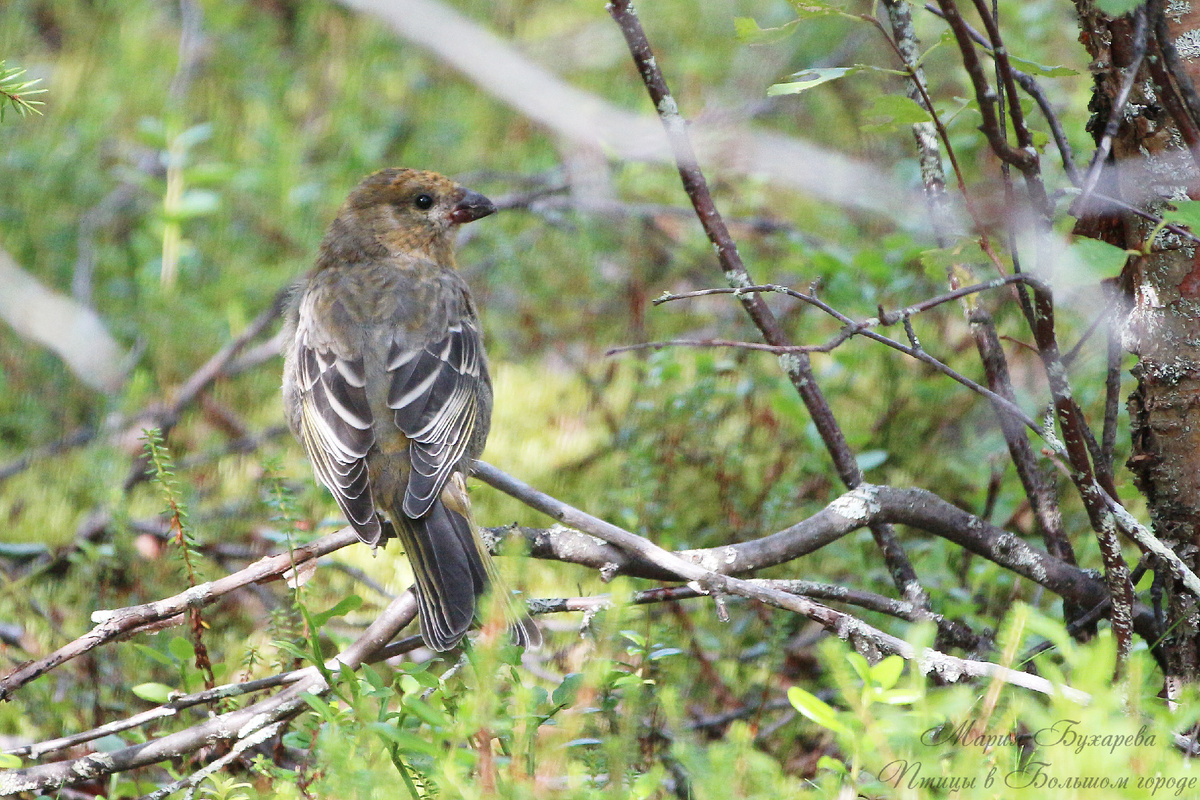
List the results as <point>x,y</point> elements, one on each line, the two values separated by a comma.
<point>386,386</point>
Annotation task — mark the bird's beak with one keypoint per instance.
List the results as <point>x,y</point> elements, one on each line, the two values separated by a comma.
<point>471,207</point>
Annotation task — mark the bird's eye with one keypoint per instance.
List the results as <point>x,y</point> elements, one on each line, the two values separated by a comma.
<point>423,201</point>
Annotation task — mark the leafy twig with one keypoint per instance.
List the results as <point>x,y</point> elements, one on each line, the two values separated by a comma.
<point>15,93</point>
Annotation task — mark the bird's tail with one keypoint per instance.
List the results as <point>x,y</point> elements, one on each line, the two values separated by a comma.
<point>453,568</point>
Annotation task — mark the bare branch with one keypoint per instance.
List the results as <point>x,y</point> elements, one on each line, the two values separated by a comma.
<point>235,726</point>
<point>117,624</point>
<point>795,364</point>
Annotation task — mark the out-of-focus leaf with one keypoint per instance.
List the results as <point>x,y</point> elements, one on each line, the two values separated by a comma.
<point>153,692</point>
<point>809,78</point>
<point>815,709</point>
<point>891,111</point>
<point>813,8</point>
<point>1033,68</point>
<point>887,671</point>
<point>748,31</point>
<point>1185,212</point>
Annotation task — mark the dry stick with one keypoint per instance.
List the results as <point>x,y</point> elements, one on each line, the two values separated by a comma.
<point>558,544</point>
<point>173,707</point>
<point>1101,498</point>
<point>863,329</point>
<point>1077,436</point>
<point>236,725</point>
<point>1038,486</point>
<point>858,508</point>
<point>795,365</point>
<point>864,638</point>
<point>929,156</point>
<point>122,622</point>
<point>958,634</point>
<point>1112,383</point>
<point>166,710</point>
<point>1172,102</point>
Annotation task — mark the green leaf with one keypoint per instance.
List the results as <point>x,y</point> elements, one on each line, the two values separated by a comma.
<point>809,78</point>
<point>748,31</point>
<point>9,761</point>
<point>1098,259</point>
<point>815,709</point>
<point>664,652</point>
<point>898,697</point>
<point>814,8</point>
<point>153,692</point>
<point>887,672</point>
<point>343,607</point>
<point>22,550</point>
<point>565,692</point>
<point>181,649</point>
<point>194,136</point>
<point>427,713</point>
<point>833,765</point>
<point>292,649</point>
<point>1033,68</point>
<point>408,742</point>
<point>1117,8</point>
<point>893,111</point>
<point>941,262</point>
<point>1184,212</point>
<point>860,665</point>
<point>318,704</point>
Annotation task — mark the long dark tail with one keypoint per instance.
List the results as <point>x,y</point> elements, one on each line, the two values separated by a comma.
<point>453,568</point>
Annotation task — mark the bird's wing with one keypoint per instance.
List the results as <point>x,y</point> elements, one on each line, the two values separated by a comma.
<point>335,425</point>
<point>434,392</point>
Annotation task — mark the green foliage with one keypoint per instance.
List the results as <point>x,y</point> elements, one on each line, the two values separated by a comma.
<point>917,739</point>
<point>15,92</point>
<point>197,209</point>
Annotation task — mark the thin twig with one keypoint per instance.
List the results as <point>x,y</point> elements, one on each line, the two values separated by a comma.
<point>234,726</point>
<point>795,365</point>
<point>114,625</point>
<point>1031,87</point>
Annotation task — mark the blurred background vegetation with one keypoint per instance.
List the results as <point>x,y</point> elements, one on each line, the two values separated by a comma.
<point>177,203</point>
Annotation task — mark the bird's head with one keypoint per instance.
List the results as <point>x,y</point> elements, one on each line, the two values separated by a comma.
<point>407,211</point>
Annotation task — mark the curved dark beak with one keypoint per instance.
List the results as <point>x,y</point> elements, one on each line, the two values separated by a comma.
<point>471,207</point>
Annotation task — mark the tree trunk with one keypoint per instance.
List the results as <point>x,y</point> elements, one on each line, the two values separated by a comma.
<point>1151,164</point>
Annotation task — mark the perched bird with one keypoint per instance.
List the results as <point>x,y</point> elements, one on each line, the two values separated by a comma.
<point>386,385</point>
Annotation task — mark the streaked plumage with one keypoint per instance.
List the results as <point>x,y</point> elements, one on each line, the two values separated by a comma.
<point>386,385</point>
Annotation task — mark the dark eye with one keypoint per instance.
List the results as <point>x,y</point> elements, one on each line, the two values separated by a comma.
<point>423,201</point>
